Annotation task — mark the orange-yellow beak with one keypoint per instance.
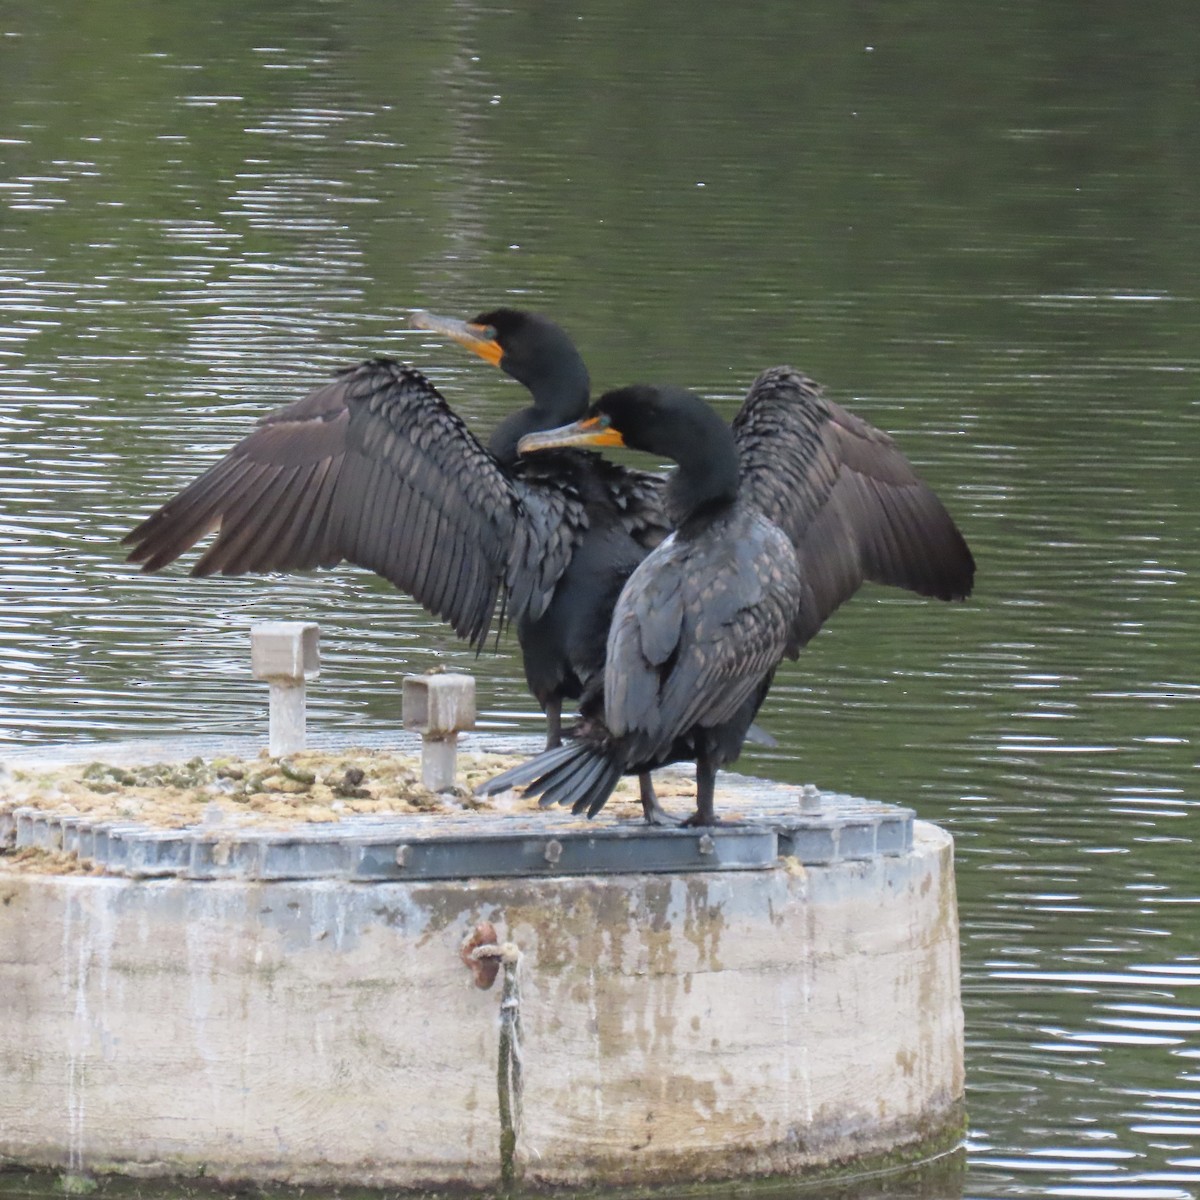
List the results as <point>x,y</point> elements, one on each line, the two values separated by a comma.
<point>479,339</point>
<point>591,431</point>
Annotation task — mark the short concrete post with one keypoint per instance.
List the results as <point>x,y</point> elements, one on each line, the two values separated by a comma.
<point>439,708</point>
<point>286,654</point>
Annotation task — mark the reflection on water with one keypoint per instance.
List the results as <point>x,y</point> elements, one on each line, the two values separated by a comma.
<point>978,234</point>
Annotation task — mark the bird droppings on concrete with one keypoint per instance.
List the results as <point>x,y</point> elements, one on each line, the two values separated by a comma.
<point>311,788</point>
<point>36,860</point>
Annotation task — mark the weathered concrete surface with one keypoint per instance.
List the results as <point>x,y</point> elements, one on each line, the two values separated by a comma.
<point>674,1027</point>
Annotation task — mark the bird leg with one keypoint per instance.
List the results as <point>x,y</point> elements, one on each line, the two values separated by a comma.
<point>654,813</point>
<point>553,723</point>
<point>706,779</point>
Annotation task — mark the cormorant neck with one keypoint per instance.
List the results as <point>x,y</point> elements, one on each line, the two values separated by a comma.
<point>558,386</point>
<point>503,442</point>
<point>695,500</point>
<point>706,481</point>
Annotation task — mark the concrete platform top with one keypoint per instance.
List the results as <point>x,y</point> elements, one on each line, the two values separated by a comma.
<point>765,821</point>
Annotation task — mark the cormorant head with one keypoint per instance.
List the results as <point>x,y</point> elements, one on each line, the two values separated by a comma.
<point>531,348</point>
<point>662,420</point>
<point>668,421</point>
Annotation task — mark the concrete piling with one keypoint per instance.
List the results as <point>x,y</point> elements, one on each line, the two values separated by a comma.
<point>439,708</point>
<point>286,654</point>
<point>288,1004</point>
<point>672,1028</point>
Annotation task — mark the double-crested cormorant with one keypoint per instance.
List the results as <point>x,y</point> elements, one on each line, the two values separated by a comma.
<point>777,521</point>
<point>375,468</point>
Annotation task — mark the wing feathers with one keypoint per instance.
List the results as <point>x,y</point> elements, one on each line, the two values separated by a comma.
<point>375,468</point>
<point>250,532</point>
<point>846,496</point>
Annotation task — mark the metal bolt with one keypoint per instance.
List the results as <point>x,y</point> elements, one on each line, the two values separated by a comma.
<point>554,850</point>
<point>403,854</point>
<point>705,844</point>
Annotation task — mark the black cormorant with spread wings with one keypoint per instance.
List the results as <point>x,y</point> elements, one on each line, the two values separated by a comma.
<point>778,520</point>
<point>375,468</point>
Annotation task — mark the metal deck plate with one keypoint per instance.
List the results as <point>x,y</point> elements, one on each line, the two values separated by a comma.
<point>376,848</point>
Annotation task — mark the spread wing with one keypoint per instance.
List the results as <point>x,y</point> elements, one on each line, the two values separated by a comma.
<point>846,496</point>
<point>377,469</point>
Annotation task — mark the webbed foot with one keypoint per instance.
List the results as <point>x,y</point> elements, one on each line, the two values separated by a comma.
<point>654,812</point>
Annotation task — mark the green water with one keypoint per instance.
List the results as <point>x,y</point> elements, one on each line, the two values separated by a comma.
<point>975,224</point>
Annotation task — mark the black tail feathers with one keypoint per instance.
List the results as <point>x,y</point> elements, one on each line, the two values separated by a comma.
<point>526,772</point>
<point>576,774</point>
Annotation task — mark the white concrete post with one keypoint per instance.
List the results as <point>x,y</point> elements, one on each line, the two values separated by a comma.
<point>286,654</point>
<point>439,708</point>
